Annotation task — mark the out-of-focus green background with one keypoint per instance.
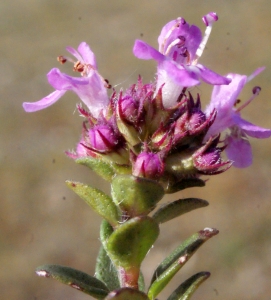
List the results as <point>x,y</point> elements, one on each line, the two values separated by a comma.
<point>41,221</point>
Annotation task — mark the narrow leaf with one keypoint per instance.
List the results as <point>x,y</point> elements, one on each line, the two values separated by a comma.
<point>126,294</point>
<point>76,279</point>
<point>174,262</point>
<point>177,208</point>
<point>184,184</point>
<point>106,271</point>
<point>106,169</point>
<point>188,287</point>
<point>102,168</point>
<point>97,200</point>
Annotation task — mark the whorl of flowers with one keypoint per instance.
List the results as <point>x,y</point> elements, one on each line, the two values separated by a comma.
<point>158,130</point>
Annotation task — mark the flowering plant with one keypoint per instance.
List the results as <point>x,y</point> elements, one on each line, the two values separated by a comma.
<point>147,141</point>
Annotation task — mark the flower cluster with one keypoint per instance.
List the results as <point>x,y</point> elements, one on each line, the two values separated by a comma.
<point>158,130</point>
<point>149,140</point>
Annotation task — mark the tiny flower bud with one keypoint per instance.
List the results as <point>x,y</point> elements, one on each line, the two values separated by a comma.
<point>129,109</point>
<point>207,160</point>
<point>102,138</point>
<point>148,165</point>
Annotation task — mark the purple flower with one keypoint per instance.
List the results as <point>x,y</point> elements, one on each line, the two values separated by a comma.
<point>180,46</point>
<point>91,87</point>
<point>224,100</point>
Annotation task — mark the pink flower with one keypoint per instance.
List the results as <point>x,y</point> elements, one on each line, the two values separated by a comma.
<point>91,88</point>
<point>180,46</point>
<point>223,100</point>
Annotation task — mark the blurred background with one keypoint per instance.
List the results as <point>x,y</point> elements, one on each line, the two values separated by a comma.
<point>41,221</point>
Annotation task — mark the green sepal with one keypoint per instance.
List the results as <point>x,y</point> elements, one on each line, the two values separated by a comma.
<point>136,195</point>
<point>177,208</point>
<point>76,279</point>
<point>189,286</point>
<point>175,261</point>
<point>106,271</point>
<point>104,168</point>
<point>129,132</point>
<point>126,294</point>
<point>97,200</point>
<point>184,184</point>
<point>130,242</point>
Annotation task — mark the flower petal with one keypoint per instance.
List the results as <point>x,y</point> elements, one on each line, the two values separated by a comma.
<point>239,151</point>
<point>224,96</point>
<point>185,77</point>
<point>61,81</point>
<point>192,35</point>
<point>43,103</point>
<point>144,51</point>
<point>255,73</point>
<point>87,54</point>
<point>251,129</point>
<point>174,78</point>
<point>211,77</point>
<point>90,90</point>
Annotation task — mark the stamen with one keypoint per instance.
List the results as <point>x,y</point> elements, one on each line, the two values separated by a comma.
<point>256,90</point>
<point>237,102</point>
<point>79,67</point>
<point>208,20</point>
<point>62,59</point>
<point>177,43</point>
<point>107,84</point>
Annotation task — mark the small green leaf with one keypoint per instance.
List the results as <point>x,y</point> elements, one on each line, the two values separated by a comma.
<point>174,262</point>
<point>188,287</point>
<point>101,167</point>
<point>184,184</point>
<point>177,208</point>
<point>76,279</point>
<point>129,243</point>
<point>136,195</point>
<point>104,168</point>
<point>126,294</point>
<point>106,271</point>
<point>99,202</point>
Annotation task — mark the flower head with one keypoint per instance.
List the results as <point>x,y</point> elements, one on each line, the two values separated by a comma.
<point>180,46</point>
<point>224,100</point>
<point>91,87</point>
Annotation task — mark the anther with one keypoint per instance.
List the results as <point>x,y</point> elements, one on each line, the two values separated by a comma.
<point>78,67</point>
<point>62,59</point>
<point>107,84</point>
<point>237,102</point>
<point>255,91</point>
